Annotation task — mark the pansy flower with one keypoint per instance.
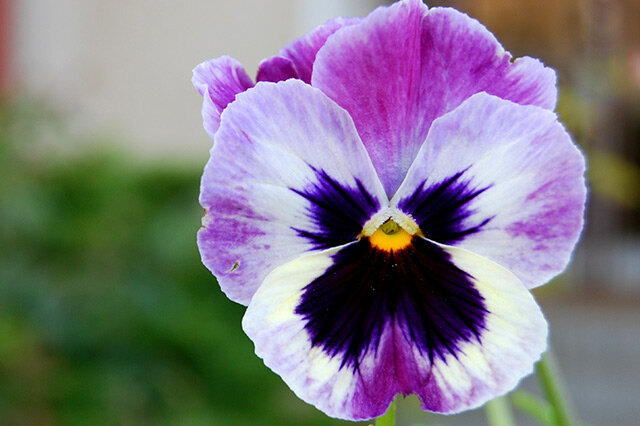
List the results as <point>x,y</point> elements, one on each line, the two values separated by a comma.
<point>382,200</point>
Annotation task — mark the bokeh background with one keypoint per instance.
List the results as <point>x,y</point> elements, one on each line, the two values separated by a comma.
<point>106,314</point>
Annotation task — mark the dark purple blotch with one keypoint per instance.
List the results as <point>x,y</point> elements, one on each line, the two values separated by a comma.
<point>441,209</point>
<point>366,289</point>
<point>338,211</point>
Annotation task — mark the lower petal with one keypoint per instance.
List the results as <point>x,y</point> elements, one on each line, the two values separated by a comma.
<point>513,339</point>
<point>350,327</point>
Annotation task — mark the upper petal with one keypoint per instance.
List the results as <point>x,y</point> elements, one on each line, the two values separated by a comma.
<point>372,70</point>
<point>218,80</point>
<point>276,68</point>
<point>461,57</point>
<point>502,180</point>
<point>404,66</point>
<point>296,59</point>
<point>287,174</point>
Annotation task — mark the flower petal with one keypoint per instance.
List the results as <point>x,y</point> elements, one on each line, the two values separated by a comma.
<point>287,174</point>
<point>350,327</point>
<point>296,59</point>
<point>218,80</point>
<point>502,180</point>
<point>404,66</point>
<point>514,338</point>
<point>462,57</point>
<point>372,70</point>
<point>276,68</point>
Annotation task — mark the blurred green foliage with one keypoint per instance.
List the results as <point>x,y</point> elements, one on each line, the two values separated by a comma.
<point>613,174</point>
<point>107,315</point>
<point>616,178</point>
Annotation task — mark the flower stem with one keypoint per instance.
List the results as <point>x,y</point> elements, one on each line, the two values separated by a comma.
<point>553,389</point>
<point>536,408</point>
<point>498,412</point>
<point>388,418</point>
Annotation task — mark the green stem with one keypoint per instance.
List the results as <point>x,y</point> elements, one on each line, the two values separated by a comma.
<point>498,412</point>
<point>553,389</point>
<point>536,408</point>
<point>388,418</point>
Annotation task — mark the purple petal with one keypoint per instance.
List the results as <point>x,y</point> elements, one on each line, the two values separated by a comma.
<point>287,174</point>
<point>276,68</point>
<point>372,70</point>
<point>502,180</point>
<point>460,55</point>
<point>404,66</point>
<point>218,81</point>
<point>296,59</point>
<point>347,333</point>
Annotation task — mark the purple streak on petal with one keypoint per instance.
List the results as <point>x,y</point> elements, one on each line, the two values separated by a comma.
<point>276,68</point>
<point>431,62</point>
<point>441,210</point>
<point>338,211</point>
<point>218,80</point>
<point>301,53</point>
<point>366,290</point>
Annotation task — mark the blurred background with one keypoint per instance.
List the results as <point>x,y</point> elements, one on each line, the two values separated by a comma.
<point>107,315</point>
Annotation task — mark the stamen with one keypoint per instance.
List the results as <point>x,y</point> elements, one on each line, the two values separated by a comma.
<point>390,236</point>
<point>389,220</point>
<point>390,227</point>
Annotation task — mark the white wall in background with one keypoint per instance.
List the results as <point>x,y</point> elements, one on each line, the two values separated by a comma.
<point>312,13</point>
<point>122,68</point>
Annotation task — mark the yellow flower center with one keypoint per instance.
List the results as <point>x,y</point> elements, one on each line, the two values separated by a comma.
<point>390,236</point>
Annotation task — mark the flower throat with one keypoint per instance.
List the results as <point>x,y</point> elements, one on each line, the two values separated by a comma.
<point>390,237</point>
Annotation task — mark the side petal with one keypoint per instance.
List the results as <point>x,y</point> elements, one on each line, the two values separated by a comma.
<point>287,174</point>
<point>350,327</point>
<point>296,59</point>
<point>404,66</point>
<point>218,80</point>
<point>502,180</point>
